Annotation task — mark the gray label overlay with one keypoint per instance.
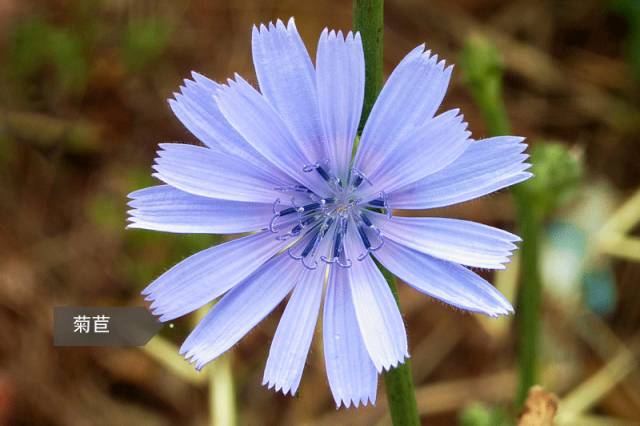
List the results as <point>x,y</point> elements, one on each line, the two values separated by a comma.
<point>122,326</point>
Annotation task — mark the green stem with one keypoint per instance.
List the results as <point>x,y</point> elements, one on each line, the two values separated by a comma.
<point>489,100</point>
<point>368,20</point>
<point>529,297</point>
<point>398,381</point>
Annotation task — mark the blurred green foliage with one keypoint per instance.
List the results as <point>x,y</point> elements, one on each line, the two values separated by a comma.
<point>27,48</point>
<point>69,58</point>
<point>144,41</point>
<point>556,170</point>
<point>630,10</point>
<point>105,212</point>
<point>57,58</point>
<point>557,173</point>
<point>154,252</point>
<point>478,414</point>
<point>79,136</point>
<point>482,69</point>
<point>37,49</point>
<point>151,252</point>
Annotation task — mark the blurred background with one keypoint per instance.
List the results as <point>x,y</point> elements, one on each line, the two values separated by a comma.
<point>83,89</point>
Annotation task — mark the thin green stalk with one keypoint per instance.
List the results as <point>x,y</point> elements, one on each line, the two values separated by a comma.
<point>399,381</point>
<point>368,20</point>
<point>529,299</point>
<point>482,67</point>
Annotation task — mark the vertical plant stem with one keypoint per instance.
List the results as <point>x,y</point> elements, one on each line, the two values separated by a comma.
<point>482,67</point>
<point>529,298</point>
<point>368,20</point>
<point>493,110</point>
<point>221,392</point>
<point>398,381</point>
<point>222,405</point>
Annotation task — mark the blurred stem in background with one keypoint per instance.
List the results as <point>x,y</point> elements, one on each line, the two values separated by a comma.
<point>557,172</point>
<point>482,67</point>
<point>218,375</point>
<point>368,17</point>
<point>529,296</point>
<point>222,405</point>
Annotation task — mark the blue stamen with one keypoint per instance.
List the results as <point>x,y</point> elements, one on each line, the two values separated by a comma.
<point>382,202</point>
<point>365,219</point>
<point>319,214</point>
<point>324,174</point>
<point>357,177</point>
<point>357,181</point>
<point>310,245</point>
<point>286,211</point>
<point>338,245</point>
<point>294,188</point>
<point>361,220</point>
<point>363,235</point>
<point>308,208</point>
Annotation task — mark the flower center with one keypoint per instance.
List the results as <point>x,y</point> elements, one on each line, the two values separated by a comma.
<point>318,227</point>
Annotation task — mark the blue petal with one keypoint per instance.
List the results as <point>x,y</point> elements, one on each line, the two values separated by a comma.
<point>287,79</point>
<point>241,309</point>
<point>421,152</point>
<point>446,281</point>
<point>208,274</point>
<point>340,81</point>
<point>459,241</point>
<point>196,108</point>
<point>351,373</point>
<point>410,97</point>
<point>164,208</point>
<point>376,309</point>
<point>205,172</point>
<point>293,337</point>
<point>261,125</point>
<point>198,112</point>
<point>486,166</point>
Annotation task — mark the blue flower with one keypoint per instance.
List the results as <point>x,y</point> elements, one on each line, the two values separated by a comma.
<point>278,163</point>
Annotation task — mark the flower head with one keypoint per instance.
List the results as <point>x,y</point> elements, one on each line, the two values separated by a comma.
<point>278,163</point>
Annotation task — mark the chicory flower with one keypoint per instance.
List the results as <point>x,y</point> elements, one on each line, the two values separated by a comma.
<point>278,163</point>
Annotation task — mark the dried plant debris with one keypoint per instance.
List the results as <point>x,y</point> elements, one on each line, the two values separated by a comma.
<point>540,408</point>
